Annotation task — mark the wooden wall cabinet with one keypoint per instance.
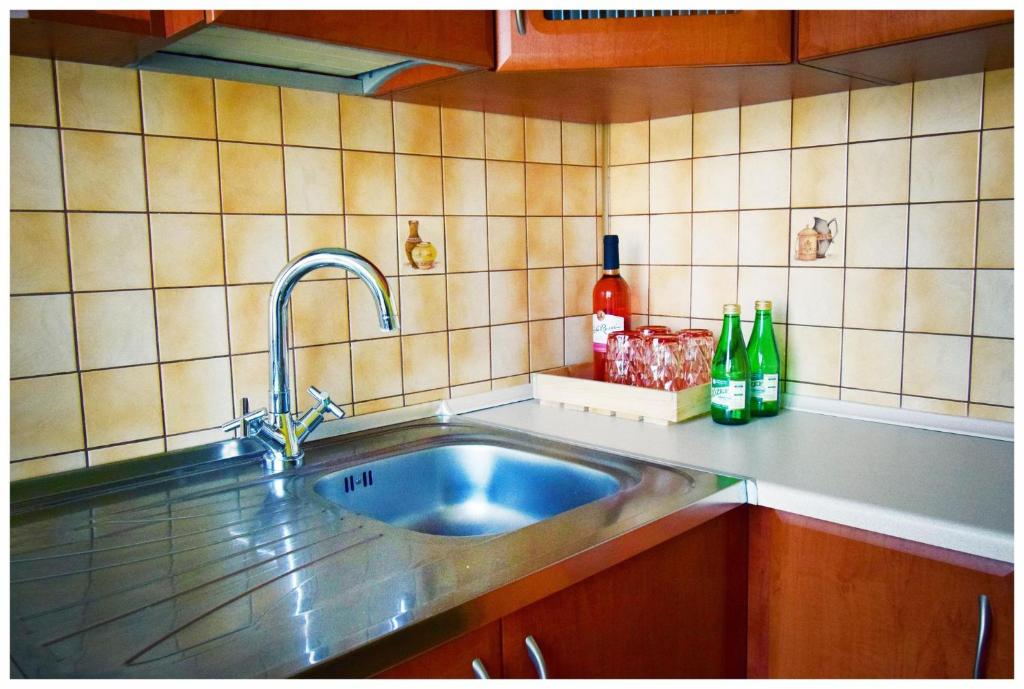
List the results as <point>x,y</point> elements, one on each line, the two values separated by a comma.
<point>898,46</point>
<point>162,23</point>
<point>748,37</point>
<point>592,70</point>
<point>830,601</point>
<point>107,37</point>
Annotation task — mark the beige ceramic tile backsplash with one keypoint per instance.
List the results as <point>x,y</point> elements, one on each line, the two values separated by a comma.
<point>151,211</point>
<point>913,306</point>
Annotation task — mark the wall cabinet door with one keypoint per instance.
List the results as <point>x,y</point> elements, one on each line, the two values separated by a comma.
<point>454,659</point>
<point>677,610</point>
<point>895,46</point>
<point>163,23</point>
<point>829,601</point>
<point>106,37</point>
<point>746,37</point>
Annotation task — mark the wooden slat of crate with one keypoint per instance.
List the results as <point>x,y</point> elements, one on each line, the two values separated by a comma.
<point>559,386</point>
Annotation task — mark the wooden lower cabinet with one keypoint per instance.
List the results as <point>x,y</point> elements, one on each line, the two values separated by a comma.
<point>454,659</point>
<point>754,593</point>
<point>677,610</point>
<point>829,601</point>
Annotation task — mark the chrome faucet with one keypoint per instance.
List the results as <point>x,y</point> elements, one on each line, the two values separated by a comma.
<point>280,432</point>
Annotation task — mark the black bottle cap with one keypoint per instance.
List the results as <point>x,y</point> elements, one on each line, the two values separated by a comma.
<point>611,252</point>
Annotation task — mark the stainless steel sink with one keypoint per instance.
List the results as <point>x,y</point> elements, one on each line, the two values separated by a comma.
<point>199,563</point>
<point>470,489</point>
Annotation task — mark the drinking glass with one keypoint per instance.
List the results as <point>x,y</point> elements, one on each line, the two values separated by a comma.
<point>695,362</point>
<point>624,357</point>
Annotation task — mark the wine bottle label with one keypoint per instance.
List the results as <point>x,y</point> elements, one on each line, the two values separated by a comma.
<point>728,394</point>
<point>765,386</point>
<point>604,325</point>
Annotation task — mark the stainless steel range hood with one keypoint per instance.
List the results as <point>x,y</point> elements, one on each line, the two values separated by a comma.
<point>241,55</point>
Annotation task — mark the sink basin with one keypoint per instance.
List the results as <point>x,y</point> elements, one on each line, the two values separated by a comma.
<point>470,489</point>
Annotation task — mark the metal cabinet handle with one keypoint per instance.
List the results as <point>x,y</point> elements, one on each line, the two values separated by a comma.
<point>984,628</point>
<point>521,22</point>
<point>536,657</point>
<point>479,670</point>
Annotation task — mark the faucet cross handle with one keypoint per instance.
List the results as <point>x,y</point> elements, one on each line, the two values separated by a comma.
<point>325,399</point>
<point>246,420</point>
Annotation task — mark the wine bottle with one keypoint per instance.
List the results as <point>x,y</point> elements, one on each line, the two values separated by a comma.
<point>730,372</point>
<point>611,304</point>
<point>763,355</point>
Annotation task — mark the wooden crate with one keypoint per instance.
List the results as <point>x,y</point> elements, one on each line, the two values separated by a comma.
<point>573,387</point>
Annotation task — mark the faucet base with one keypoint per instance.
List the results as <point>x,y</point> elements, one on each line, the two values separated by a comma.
<point>275,462</point>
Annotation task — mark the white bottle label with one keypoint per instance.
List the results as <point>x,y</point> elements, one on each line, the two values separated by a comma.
<point>728,394</point>
<point>604,325</point>
<point>765,386</point>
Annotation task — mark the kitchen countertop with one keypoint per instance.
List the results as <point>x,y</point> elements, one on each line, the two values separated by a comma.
<point>944,489</point>
<point>199,564</point>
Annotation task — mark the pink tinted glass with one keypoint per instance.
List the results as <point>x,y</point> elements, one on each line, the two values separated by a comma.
<point>656,357</point>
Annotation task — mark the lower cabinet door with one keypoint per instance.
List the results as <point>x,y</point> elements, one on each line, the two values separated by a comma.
<point>677,610</point>
<point>830,601</point>
<point>455,659</point>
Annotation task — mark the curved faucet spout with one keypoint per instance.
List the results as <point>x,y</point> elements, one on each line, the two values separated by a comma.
<point>280,394</point>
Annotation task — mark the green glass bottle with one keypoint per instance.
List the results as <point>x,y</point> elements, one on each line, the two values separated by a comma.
<point>730,372</point>
<point>763,355</point>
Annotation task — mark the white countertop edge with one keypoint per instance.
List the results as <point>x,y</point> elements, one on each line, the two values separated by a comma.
<point>736,494</point>
<point>945,423</point>
<point>906,525</point>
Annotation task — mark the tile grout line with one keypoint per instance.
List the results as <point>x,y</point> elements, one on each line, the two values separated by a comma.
<point>70,273</point>
<point>561,233</point>
<point>368,150</point>
<point>447,282</point>
<point>398,253</point>
<point>224,254</point>
<point>906,259</point>
<point>289,315</point>
<point>526,241</point>
<point>977,217</point>
<point>499,215</point>
<point>739,195</point>
<point>345,242</point>
<point>444,246</point>
<point>561,238</point>
<point>846,231</point>
<point>487,244</point>
<point>693,169</point>
<point>789,256</point>
<point>647,219</point>
<point>434,332</point>
<point>152,266</point>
